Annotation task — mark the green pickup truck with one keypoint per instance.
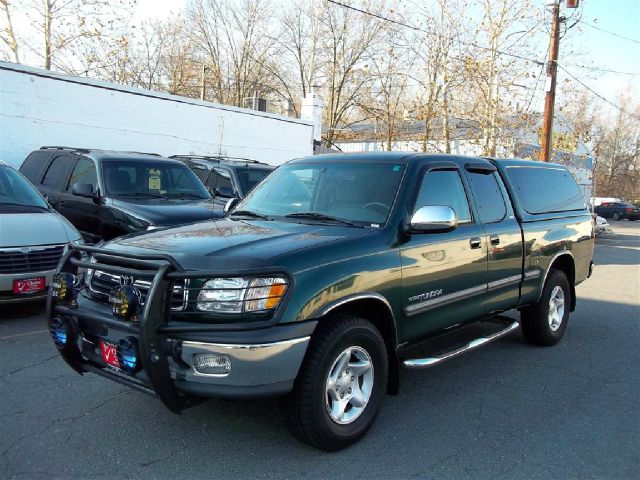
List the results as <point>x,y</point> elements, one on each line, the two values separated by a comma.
<point>325,280</point>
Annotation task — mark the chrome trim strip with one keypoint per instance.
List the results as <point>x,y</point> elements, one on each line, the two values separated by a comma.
<point>417,308</point>
<point>240,346</point>
<point>473,344</point>
<point>32,248</point>
<point>553,259</point>
<point>351,298</point>
<point>532,274</point>
<point>503,282</point>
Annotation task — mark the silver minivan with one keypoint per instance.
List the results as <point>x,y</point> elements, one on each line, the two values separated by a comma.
<point>33,238</point>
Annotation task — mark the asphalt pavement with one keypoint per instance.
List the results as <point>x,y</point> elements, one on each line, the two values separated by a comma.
<point>509,410</point>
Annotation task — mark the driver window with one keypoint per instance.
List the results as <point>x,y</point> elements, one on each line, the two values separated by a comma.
<point>444,187</point>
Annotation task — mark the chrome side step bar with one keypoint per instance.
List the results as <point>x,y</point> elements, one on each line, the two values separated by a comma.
<point>472,345</point>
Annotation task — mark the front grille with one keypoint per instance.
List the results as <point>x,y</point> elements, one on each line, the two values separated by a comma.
<point>102,283</point>
<point>30,259</point>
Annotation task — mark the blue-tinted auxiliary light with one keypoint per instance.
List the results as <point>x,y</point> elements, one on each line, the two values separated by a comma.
<point>61,332</point>
<point>127,353</point>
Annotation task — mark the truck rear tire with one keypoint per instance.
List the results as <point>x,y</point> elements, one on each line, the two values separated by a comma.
<point>545,322</point>
<point>339,389</point>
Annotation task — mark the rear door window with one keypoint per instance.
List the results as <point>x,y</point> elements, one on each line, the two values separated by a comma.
<point>200,172</point>
<point>219,178</point>
<point>488,196</point>
<point>546,189</point>
<point>33,166</point>
<point>444,187</point>
<point>58,172</point>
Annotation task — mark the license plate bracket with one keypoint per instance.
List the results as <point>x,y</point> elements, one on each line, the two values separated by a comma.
<point>26,286</point>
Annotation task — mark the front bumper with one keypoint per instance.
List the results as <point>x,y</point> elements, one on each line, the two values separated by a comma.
<point>263,361</point>
<point>6,287</point>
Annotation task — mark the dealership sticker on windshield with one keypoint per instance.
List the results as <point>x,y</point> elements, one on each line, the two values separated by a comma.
<point>155,182</point>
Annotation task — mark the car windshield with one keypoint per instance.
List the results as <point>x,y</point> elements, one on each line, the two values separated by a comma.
<point>360,193</point>
<point>17,192</point>
<point>131,178</point>
<point>249,177</point>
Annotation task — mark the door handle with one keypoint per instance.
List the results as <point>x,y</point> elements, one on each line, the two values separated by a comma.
<point>494,239</point>
<point>475,242</point>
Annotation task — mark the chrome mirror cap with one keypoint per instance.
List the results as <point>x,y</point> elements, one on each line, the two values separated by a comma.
<point>230,204</point>
<point>433,218</point>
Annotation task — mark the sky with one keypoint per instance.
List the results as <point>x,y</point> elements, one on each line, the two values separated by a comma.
<point>598,49</point>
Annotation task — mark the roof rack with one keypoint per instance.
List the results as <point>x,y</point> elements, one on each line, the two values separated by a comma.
<point>219,158</point>
<point>71,149</point>
<point>142,153</point>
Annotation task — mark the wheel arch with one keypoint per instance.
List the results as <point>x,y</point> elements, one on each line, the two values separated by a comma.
<point>564,262</point>
<point>376,309</point>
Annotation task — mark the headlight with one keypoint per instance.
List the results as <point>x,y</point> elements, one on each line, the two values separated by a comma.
<point>239,294</point>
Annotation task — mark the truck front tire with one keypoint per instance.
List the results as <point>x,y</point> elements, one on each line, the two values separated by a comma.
<point>340,386</point>
<point>545,322</point>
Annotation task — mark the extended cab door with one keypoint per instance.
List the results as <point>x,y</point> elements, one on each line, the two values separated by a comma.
<point>502,235</point>
<point>444,275</point>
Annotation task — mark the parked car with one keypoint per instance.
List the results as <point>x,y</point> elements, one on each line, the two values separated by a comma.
<point>33,238</point>
<point>226,177</point>
<point>106,194</point>
<point>326,279</point>
<point>618,211</point>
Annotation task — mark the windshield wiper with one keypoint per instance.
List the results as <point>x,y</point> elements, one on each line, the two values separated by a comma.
<point>321,217</point>
<point>143,195</point>
<point>186,195</point>
<point>249,213</point>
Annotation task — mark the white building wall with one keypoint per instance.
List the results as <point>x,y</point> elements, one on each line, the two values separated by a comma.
<point>38,107</point>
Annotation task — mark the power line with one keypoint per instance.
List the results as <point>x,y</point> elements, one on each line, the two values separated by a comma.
<point>608,70</point>
<point>444,37</point>
<point>606,100</point>
<point>535,86</point>
<point>611,33</point>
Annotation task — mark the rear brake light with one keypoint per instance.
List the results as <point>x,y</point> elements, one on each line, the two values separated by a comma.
<point>629,210</point>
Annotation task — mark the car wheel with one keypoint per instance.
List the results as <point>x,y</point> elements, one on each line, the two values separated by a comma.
<point>340,386</point>
<point>615,216</point>
<point>545,322</point>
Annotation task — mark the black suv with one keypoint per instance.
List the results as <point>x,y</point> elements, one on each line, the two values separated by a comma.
<point>618,211</point>
<point>226,177</point>
<point>106,194</point>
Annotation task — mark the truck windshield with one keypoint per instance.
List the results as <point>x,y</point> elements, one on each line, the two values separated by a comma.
<point>360,193</point>
<point>17,194</point>
<point>131,178</point>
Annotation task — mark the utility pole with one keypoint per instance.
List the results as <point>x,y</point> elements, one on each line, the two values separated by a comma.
<point>203,74</point>
<point>550,85</point>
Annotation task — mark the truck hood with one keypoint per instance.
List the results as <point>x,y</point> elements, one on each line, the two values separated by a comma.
<point>232,244</point>
<point>160,211</point>
<point>42,228</point>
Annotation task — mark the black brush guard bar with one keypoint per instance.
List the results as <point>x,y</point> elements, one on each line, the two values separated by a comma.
<point>153,347</point>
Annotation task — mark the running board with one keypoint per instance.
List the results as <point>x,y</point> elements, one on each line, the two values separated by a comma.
<point>472,345</point>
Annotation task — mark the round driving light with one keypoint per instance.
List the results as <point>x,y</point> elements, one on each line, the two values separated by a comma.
<point>61,332</point>
<point>127,353</point>
<point>62,286</point>
<point>125,302</point>
<point>211,364</point>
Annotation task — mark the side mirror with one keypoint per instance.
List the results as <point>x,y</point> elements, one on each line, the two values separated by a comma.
<point>232,202</point>
<point>83,190</point>
<point>433,218</point>
<point>224,192</point>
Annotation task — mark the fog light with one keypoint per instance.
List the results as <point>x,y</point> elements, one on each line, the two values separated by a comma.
<point>127,353</point>
<point>125,302</point>
<point>211,364</point>
<point>62,287</point>
<point>61,332</point>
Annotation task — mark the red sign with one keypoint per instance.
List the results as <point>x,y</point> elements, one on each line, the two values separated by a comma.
<point>28,285</point>
<point>108,354</point>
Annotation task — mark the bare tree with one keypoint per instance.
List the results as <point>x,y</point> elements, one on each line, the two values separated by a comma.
<point>8,35</point>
